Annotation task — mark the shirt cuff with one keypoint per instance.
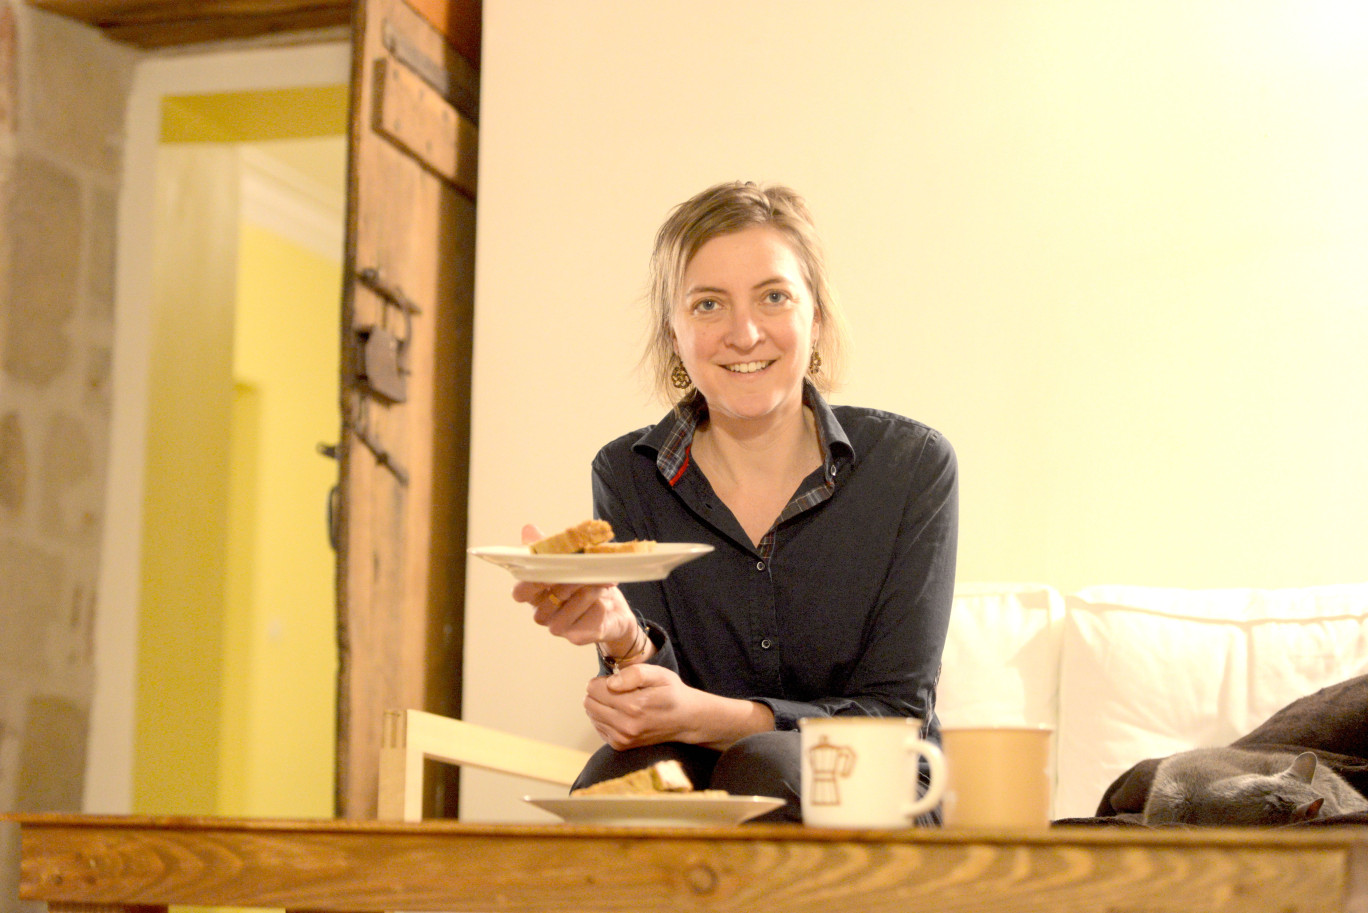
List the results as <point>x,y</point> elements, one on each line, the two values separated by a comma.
<point>788,713</point>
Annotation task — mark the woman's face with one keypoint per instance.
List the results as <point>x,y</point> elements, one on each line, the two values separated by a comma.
<point>745,323</point>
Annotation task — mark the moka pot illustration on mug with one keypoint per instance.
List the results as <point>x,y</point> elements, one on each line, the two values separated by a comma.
<point>829,764</point>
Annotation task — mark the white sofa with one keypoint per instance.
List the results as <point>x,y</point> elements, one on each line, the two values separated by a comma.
<point>1127,673</point>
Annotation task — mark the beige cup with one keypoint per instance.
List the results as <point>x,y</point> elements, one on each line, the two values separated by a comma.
<point>862,771</point>
<point>999,776</point>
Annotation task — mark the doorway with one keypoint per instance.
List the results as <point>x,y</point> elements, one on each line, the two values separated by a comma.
<point>215,644</point>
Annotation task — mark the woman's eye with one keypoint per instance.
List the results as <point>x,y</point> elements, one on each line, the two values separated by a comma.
<point>706,305</point>
<point>776,297</point>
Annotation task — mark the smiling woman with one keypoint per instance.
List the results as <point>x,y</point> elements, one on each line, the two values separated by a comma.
<point>838,520</point>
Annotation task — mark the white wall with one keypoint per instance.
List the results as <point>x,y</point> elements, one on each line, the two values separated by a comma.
<point>1113,250</point>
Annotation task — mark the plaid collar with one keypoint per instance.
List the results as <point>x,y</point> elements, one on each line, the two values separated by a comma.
<point>672,441</point>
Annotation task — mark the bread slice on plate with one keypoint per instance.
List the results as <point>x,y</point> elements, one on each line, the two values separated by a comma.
<point>575,539</point>
<point>660,777</point>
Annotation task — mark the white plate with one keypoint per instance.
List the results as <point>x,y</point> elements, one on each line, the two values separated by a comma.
<point>657,811</point>
<point>632,567</point>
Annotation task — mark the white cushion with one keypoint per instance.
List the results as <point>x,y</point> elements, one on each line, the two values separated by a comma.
<point>1001,660</point>
<point>1302,641</point>
<point>1135,684</point>
<point>1149,671</point>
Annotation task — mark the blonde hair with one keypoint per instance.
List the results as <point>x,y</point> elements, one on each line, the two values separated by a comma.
<point>721,210</point>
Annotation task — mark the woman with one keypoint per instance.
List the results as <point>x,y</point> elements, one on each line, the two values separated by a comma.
<point>834,528</point>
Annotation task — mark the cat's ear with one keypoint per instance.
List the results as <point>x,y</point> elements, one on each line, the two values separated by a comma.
<point>1309,811</point>
<point>1304,767</point>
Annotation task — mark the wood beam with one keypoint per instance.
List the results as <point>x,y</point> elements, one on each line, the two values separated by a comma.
<point>165,23</point>
<point>153,24</point>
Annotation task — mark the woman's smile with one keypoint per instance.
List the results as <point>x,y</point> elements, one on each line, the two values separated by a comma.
<point>748,367</point>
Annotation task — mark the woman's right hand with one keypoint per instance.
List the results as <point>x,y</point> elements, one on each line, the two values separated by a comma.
<point>582,614</point>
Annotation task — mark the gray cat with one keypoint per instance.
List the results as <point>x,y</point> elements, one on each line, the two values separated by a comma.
<point>1230,786</point>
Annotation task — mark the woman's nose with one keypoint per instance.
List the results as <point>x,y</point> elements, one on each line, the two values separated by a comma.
<point>744,331</point>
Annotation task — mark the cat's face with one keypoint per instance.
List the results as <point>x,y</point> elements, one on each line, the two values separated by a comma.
<point>1257,800</point>
<point>1217,786</point>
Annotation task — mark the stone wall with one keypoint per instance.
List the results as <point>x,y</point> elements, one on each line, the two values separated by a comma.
<point>63,93</point>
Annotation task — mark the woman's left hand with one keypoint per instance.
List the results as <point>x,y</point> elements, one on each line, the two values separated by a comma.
<point>644,704</point>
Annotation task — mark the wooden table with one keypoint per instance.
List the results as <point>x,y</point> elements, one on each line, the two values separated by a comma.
<point>100,864</point>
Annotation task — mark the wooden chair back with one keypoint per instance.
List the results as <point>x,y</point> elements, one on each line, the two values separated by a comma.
<point>411,736</point>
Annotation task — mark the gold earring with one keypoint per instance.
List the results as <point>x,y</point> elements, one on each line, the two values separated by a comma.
<point>815,363</point>
<point>679,376</point>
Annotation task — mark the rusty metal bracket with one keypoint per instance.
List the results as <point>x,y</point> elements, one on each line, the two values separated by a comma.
<point>372,279</point>
<point>361,429</point>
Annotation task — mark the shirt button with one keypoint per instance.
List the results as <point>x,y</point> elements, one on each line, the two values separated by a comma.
<point>766,644</point>
<point>759,565</point>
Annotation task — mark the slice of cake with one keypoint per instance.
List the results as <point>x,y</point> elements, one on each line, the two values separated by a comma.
<point>660,777</point>
<point>575,539</point>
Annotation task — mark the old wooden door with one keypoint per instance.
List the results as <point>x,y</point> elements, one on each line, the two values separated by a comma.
<point>400,511</point>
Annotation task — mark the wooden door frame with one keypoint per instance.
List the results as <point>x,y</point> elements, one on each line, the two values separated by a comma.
<point>401,511</point>
<point>109,756</point>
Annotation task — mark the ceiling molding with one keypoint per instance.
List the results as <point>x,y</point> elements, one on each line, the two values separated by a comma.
<point>277,197</point>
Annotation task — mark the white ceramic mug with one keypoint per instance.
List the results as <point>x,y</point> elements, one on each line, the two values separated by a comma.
<point>999,776</point>
<point>862,771</point>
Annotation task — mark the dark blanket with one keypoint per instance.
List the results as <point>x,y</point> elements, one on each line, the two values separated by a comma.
<point>1333,723</point>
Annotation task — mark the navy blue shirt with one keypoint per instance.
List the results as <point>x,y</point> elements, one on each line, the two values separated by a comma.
<point>843,608</point>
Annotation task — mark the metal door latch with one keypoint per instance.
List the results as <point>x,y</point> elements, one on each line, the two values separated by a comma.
<point>382,364</point>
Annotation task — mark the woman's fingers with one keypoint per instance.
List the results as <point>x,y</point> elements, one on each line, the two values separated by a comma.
<point>548,604</point>
<point>580,616</point>
<point>610,723</point>
<point>630,716</point>
<point>576,613</point>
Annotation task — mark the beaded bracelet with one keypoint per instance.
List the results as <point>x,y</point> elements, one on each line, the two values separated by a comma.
<point>639,645</point>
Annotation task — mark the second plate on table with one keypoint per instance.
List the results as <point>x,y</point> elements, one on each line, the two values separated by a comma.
<point>699,810</point>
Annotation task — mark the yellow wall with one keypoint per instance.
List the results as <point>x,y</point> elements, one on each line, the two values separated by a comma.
<point>1114,250</point>
<point>253,116</point>
<point>285,655</point>
<point>179,687</point>
<point>237,653</point>
<point>185,523</point>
